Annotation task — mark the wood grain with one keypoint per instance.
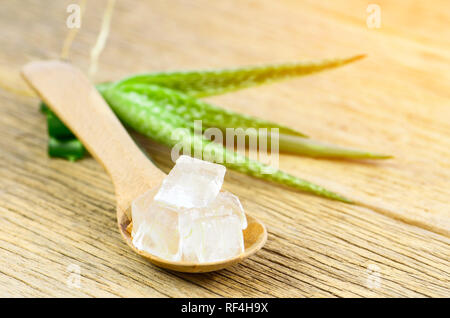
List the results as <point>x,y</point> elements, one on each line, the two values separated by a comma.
<point>56,213</point>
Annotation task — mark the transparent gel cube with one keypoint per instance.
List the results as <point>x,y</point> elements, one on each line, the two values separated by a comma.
<point>213,238</point>
<point>227,203</point>
<point>140,208</point>
<point>158,233</point>
<point>192,183</point>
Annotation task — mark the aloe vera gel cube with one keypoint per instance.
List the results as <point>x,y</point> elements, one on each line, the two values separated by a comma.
<point>192,183</point>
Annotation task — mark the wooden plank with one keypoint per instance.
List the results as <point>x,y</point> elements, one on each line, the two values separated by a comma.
<point>56,213</point>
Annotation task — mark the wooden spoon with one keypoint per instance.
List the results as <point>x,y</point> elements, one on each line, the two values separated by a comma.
<point>79,105</point>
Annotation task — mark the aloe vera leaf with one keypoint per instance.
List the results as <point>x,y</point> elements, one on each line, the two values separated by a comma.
<point>70,149</point>
<point>56,127</point>
<point>102,87</point>
<point>43,108</point>
<point>215,82</point>
<point>190,109</point>
<point>313,148</point>
<point>144,120</point>
<point>62,143</point>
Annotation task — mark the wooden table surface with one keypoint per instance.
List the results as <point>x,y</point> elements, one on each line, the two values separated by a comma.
<point>58,217</point>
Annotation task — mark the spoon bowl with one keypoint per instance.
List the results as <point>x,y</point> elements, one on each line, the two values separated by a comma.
<point>255,236</point>
<point>71,96</point>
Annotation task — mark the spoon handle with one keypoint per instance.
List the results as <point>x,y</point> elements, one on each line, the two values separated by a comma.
<point>75,100</point>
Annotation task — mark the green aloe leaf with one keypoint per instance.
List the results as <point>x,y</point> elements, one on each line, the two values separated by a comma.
<point>312,148</point>
<point>190,109</point>
<point>215,82</point>
<point>56,127</point>
<point>62,143</point>
<point>146,121</point>
<point>70,149</point>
